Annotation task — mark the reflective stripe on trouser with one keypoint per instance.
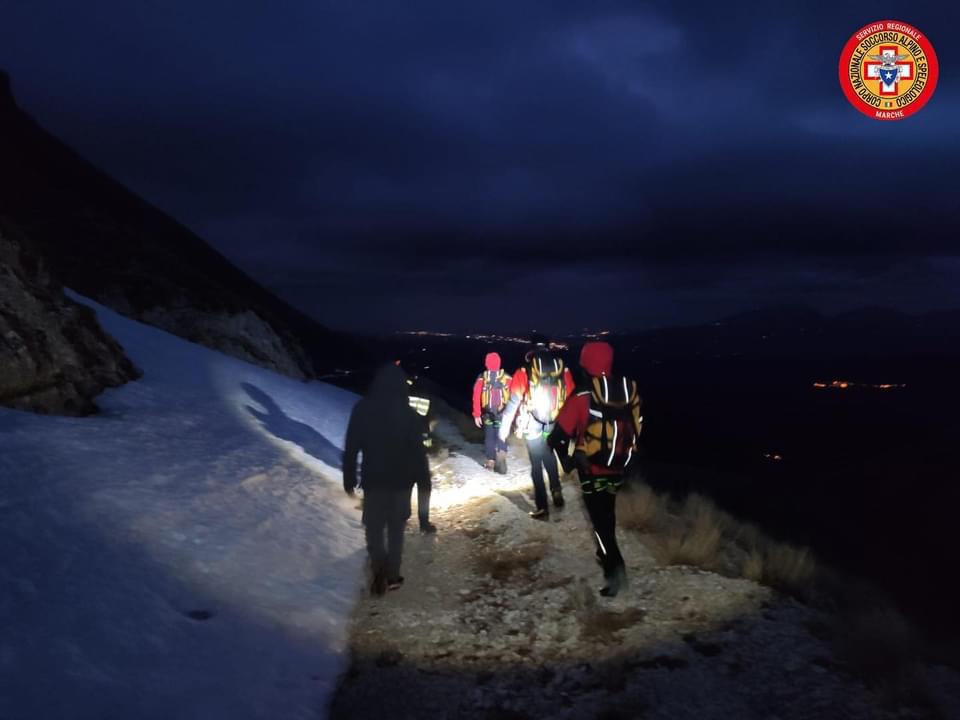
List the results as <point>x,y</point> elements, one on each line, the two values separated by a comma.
<point>601,507</point>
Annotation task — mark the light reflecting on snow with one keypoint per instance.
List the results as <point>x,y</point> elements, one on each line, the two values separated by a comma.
<point>460,478</point>
<point>178,499</point>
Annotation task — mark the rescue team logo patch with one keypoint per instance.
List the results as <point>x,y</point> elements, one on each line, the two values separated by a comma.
<point>888,70</point>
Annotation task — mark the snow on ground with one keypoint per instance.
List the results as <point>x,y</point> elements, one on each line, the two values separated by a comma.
<point>188,553</point>
<point>460,477</point>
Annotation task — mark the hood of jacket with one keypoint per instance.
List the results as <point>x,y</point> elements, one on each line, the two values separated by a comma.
<point>597,358</point>
<point>389,388</point>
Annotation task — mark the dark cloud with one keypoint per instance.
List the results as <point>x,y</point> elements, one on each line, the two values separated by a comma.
<point>365,159</point>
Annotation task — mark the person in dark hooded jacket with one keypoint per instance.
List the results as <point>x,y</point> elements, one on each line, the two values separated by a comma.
<point>385,430</point>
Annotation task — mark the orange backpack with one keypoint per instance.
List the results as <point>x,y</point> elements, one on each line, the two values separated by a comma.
<point>495,392</point>
<point>615,423</point>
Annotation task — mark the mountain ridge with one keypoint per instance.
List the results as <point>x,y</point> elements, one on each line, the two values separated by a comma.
<point>106,242</point>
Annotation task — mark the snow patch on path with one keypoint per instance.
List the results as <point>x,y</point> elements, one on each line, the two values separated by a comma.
<point>460,477</point>
<point>188,553</point>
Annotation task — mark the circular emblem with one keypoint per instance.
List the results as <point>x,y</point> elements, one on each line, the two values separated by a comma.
<point>888,70</point>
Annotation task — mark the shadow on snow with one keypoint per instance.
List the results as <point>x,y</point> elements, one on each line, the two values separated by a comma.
<point>281,426</point>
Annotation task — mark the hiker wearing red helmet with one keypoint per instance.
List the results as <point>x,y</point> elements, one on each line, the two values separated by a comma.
<point>491,393</point>
<point>604,423</point>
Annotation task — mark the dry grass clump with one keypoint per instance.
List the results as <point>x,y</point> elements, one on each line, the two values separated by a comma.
<point>699,508</point>
<point>789,568</point>
<point>699,533</point>
<point>781,566</point>
<point>702,535</point>
<point>696,539</point>
<point>753,566</point>
<point>502,563</point>
<point>640,508</point>
<point>747,536</point>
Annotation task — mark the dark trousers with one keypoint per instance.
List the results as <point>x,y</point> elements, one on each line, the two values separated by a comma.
<point>601,507</point>
<point>491,440</point>
<point>542,458</point>
<point>385,513</point>
<point>423,501</point>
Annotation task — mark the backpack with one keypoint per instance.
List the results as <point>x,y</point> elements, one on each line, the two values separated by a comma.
<point>614,425</point>
<point>495,392</point>
<point>548,391</point>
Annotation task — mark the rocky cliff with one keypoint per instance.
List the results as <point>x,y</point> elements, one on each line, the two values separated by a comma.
<point>105,242</point>
<point>54,355</point>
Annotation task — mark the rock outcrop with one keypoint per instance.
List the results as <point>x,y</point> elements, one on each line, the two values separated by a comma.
<point>106,243</point>
<point>54,356</point>
<point>243,334</point>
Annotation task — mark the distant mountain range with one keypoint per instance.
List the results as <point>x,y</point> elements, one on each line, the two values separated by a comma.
<point>803,331</point>
<point>103,241</point>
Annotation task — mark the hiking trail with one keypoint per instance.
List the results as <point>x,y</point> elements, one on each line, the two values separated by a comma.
<point>499,617</point>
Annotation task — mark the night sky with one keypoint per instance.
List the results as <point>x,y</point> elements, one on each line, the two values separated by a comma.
<point>508,165</point>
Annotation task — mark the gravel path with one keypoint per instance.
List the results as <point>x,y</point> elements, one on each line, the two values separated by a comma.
<point>499,618</point>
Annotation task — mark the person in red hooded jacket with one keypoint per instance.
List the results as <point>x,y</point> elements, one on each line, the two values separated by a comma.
<point>603,421</point>
<point>491,393</point>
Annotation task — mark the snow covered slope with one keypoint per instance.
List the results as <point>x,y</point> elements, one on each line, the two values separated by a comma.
<point>189,553</point>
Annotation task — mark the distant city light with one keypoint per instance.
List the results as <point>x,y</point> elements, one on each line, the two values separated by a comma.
<point>846,384</point>
<point>495,339</point>
<point>426,333</point>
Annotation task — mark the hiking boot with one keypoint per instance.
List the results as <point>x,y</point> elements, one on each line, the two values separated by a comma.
<point>540,514</point>
<point>490,465</point>
<point>500,464</point>
<point>558,499</point>
<point>615,583</point>
<point>396,583</point>
<point>379,586</point>
<point>428,528</point>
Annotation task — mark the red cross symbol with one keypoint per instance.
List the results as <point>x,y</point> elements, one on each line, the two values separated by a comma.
<point>876,71</point>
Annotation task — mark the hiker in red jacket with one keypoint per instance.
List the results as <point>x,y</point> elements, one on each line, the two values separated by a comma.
<point>491,393</point>
<point>604,422</point>
<point>537,392</point>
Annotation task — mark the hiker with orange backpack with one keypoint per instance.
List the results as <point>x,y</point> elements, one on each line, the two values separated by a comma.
<point>604,423</point>
<point>491,393</point>
<point>537,392</point>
